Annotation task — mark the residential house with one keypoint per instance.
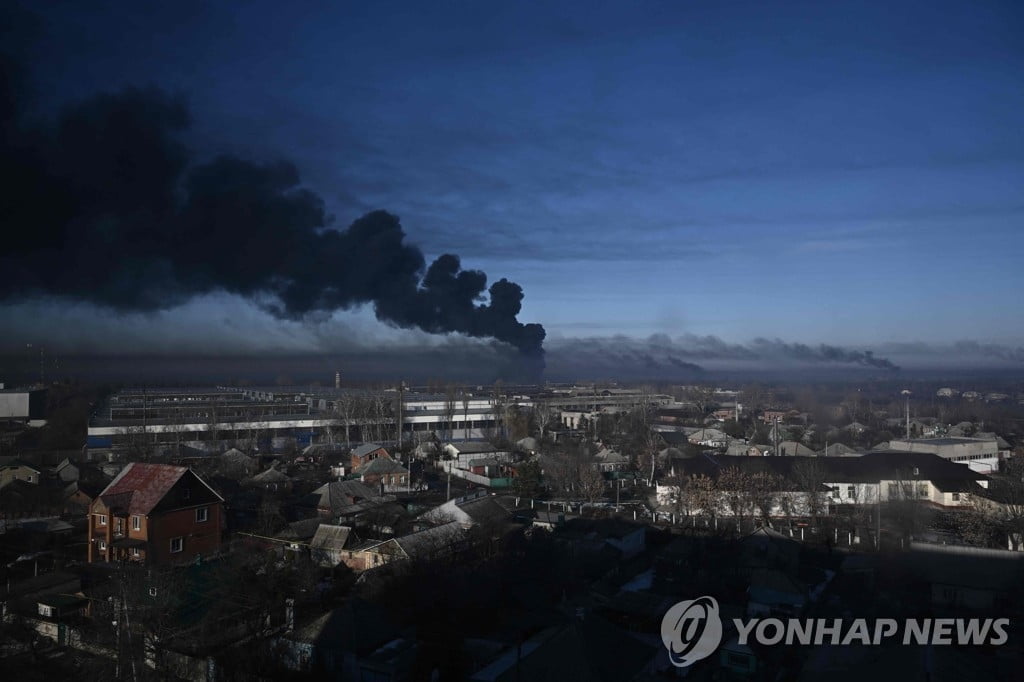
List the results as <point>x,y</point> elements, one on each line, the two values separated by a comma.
<point>273,480</point>
<point>66,471</point>
<point>472,510</point>
<point>792,448</point>
<point>237,465</point>
<point>329,543</point>
<point>709,438</point>
<point>338,497</point>
<point>466,452</point>
<point>14,469</point>
<point>608,460</point>
<point>79,496</point>
<point>156,513</point>
<point>366,453</point>
<point>839,450</point>
<point>433,543</point>
<point>385,472</point>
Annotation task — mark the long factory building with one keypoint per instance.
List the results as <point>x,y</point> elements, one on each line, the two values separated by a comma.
<point>282,418</point>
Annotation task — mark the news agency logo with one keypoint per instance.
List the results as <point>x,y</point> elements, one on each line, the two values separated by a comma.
<point>691,630</point>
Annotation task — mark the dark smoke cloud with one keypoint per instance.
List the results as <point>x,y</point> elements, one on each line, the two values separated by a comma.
<point>821,353</point>
<point>660,355</point>
<point>106,205</point>
<point>990,350</point>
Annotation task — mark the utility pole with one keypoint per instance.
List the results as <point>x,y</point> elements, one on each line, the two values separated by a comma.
<point>399,411</point>
<point>906,393</point>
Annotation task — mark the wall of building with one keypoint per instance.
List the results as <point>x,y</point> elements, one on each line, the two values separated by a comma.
<point>199,538</point>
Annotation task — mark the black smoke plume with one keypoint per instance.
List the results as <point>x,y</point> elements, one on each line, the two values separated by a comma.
<point>106,205</point>
<point>821,353</point>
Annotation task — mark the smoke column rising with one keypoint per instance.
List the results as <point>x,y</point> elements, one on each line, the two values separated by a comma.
<point>109,207</point>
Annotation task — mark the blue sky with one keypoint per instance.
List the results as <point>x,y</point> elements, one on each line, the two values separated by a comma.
<point>847,173</point>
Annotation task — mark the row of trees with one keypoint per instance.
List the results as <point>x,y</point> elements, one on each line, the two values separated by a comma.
<point>745,495</point>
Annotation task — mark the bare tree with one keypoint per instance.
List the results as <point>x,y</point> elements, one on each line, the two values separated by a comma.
<point>1002,506</point>
<point>449,409</point>
<point>735,487</point>
<point>702,397</point>
<point>543,412</point>
<point>765,488</point>
<point>702,493</point>
<point>591,483</point>
<point>810,477</point>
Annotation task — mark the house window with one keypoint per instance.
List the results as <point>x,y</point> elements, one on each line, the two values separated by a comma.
<point>152,592</point>
<point>177,544</point>
<point>922,490</point>
<point>186,493</point>
<point>956,497</point>
<point>103,546</point>
<point>29,478</point>
<point>202,514</point>
<point>851,492</point>
<point>835,492</point>
<point>135,552</point>
<point>136,523</point>
<point>103,519</point>
<point>894,491</point>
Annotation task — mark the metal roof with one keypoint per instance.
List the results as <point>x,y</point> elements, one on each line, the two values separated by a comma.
<point>140,486</point>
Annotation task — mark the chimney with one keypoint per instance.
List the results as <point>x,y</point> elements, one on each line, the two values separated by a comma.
<point>337,379</point>
<point>289,614</point>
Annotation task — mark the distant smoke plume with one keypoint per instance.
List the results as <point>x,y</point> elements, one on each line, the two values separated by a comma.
<point>990,350</point>
<point>822,353</point>
<point>108,206</point>
<point>662,356</point>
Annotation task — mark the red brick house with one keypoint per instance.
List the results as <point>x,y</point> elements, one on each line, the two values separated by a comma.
<point>366,453</point>
<point>384,471</point>
<point>155,513</point>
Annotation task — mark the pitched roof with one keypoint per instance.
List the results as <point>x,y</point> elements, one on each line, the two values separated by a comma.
<point>792,447</point>
<point>365,449</point>
<point>431,541</point>
<point>869,468</point>
<point>837,450</point>
<point>300,530</point>
<point>485,510</point>
<point>271,475</point>
<point>330,537</point>
<point>381,465</point>
<point>610,456</point>
<point>140,486</point>
<point>340,494</point>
